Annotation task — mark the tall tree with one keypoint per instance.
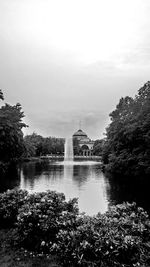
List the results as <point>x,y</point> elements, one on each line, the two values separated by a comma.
<point>127,147</point>
<point>11,136</point>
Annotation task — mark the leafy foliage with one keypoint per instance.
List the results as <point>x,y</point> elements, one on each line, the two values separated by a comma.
<point>10,202</point>
<point>41,218</point>
<point>118,238</point>
<point>38,216</point>
<point>48,224</point>
<point>36,145</point>
<point>98,147</point>
<point>127,147</point>
<point>11,136</point>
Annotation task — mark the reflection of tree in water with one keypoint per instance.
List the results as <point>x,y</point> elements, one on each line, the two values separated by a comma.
<point>28,171</point>
<point>34,171</point>
<point>129,190</point>
<point>54,171</point>
<point>11,179</point>
<point>81,174</point>
<point>104,184</point>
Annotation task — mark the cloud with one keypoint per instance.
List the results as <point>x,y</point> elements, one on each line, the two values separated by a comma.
<point>77,70</point>
<point>63,124</point>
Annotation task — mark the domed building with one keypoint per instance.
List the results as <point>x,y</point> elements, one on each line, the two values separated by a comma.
<point>84,142</point>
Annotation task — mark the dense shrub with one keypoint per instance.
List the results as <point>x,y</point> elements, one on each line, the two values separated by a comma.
<point>46,223</point>
<point>43,215</point>
<point>118,238</point>
<point>10,202</point>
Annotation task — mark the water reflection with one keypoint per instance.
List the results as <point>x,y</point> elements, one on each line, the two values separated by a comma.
<point>11,179</point>
<point>129,190</point>
<point>86,182</point>
<point>94,190</point>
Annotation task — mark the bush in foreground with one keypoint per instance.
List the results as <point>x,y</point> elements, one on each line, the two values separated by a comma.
<point>10,202</point>
<point>48,224</point>
<point>41,218</point>
<point>121,237</point>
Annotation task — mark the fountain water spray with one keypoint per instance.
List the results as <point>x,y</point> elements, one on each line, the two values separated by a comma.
<point>69,149</point>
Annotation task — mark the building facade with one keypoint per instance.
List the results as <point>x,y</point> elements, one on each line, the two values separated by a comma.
<point>84,142</point>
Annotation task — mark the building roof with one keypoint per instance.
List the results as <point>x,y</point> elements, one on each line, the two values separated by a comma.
<point>79,133</point>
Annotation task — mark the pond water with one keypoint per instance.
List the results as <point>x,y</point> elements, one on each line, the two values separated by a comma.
<point>83,180</point>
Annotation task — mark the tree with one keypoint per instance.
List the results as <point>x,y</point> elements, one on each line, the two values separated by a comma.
<point>33,143</point>
<point>1,95</point>
<point>36,145</point>
<point>127,147</point>
<point>98,147</point>
<point>11,136</point>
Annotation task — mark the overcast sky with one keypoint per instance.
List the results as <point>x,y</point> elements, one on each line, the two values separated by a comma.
<point>67,61</point>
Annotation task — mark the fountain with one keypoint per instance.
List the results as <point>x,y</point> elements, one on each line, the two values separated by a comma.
<point>68,150</point>
<point>69,155</point>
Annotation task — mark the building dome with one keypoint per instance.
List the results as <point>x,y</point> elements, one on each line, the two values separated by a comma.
<point>84,146</point>
<point>79,133</point>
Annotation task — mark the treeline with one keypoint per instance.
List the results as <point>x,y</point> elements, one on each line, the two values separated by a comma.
<point>37,145</point>
<point>126,151</point>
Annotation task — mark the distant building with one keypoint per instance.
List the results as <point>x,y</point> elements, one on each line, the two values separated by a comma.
<point>84,142</point>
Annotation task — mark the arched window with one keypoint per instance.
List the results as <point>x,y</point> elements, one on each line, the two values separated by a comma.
<point>85,147</point>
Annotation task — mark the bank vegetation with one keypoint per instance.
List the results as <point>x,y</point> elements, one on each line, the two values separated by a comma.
<point>46,225</point>
<point>126,151</point>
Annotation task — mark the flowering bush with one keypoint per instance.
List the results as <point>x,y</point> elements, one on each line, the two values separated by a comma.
<point>46,223</point>
<point>10,202</point>
<point>43,215</point>
<point>121,237</point>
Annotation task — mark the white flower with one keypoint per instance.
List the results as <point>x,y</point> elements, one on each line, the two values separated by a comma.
<point>43,243</point>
